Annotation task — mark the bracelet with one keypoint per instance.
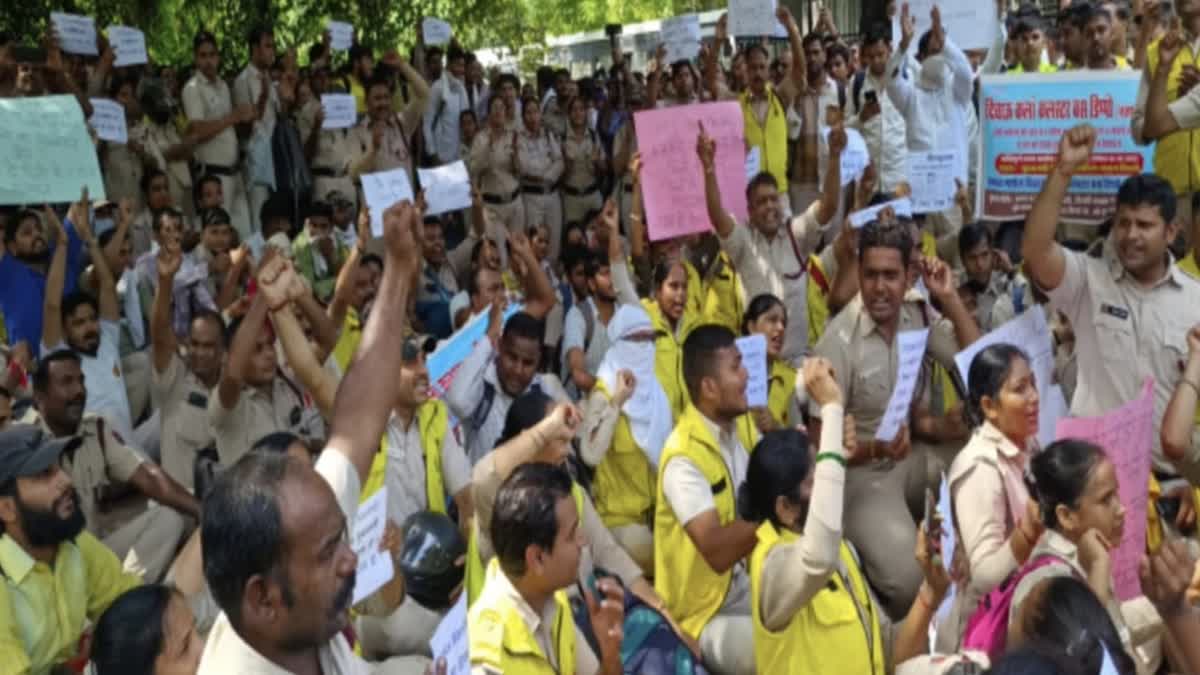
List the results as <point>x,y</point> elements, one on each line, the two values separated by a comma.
<point>1191,384</point>
<point>831,456</point>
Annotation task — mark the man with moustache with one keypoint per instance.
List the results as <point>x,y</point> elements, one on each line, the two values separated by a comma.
<point>106,471</point>
<point>55,577</point>
<point>24,259</point>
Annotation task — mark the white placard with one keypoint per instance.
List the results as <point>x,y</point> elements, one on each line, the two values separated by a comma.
<point>76,33</point>
<point>931,176</point>
<point>129,46</point>
<point>753,163</point>
<point>341,35</point>
<point>436,31</point>
<point>855,157</point>
<point>911,348</point>
<point>382,190</point>
<point>754,358</point>
<point>1031,333</point>
<point>972,24</point>
<point>902,207</point>
<point>752,18</point>
<point>375,567</point>
<point>447,188</point>
<point>681,35</point>
<point>450,639</point>
<point>340,111</point>
<point>108,119</point>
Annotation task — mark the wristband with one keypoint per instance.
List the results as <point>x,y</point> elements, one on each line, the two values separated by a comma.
<point>831,456</point>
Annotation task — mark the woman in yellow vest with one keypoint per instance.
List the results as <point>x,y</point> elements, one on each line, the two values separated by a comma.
<point>674,321</point>
<point>767,316</point>
<point>810,604</point>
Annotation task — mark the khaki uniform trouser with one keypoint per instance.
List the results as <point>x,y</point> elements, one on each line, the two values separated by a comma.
<point>575,209</point>
<point>147,543</point>
<point>727,645</point>
<point>510,215</point>
<point>638,542</point>
<point>136,368</point>
<point>405,632</point>
<point>547,211</point>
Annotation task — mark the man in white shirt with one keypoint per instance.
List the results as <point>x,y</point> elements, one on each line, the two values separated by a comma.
<point>277,554</point>
<point>447,100</point>
<point>211,116</point>
<point>253,88</point>
<point>872,113</point>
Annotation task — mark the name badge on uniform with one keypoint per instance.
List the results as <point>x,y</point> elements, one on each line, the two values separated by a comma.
<point>1119,312</point>
<point>197,399</point>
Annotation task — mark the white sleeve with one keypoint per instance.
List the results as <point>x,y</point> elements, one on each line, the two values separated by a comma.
<point>455,467</point>
<point>574,331</point>
<point>337,470</point>
<point>687,490</point>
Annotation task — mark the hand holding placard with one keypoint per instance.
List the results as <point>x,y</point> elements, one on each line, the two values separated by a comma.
<point>382,190</point>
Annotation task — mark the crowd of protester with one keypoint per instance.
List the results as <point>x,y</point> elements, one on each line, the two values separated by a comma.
<point>207,371</point>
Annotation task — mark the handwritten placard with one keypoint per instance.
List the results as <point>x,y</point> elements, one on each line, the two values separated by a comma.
<point>672,177</point>
<point>341,35</point>
<point>129,46</point>
<point>931,176</point>
<point>911,347</point>
<point>450,639</point>
<point>76,33</point>
<point>340,112</point>
<point>754,359</point>
<point>48,153</point>
<point>752,17</point>
<point>681,35</point>
<point>855,157</point>
<point>375,567</point>
<point>902,208</point>
<point>972,24</point>
<point>435,31</point>
<point>381,191</point>
<point>1127,436</point>
<point>108,119</point>
<point>447,188</point>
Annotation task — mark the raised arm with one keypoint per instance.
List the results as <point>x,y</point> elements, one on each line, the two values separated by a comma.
<point>52,328</point>
<point>706,148</point>
<point>654,76</point>
<point>899,88</point>
<point>797,82</point>
<point>153,482</point>
<point>539,294</point>
<point>1045,262</point>
<point>637,214</point>
<point>343,290</point>
<point>1179,419</point>
<point>831,189</point>
<point>912,639</point>
<point>229,390</point>
<point>995,56</point>
<point>112,252</point>
<point>1160,121</point>
<point>325,330</point>
<point>939,279</point>
<point>163,343</point>
<point>282,287</point>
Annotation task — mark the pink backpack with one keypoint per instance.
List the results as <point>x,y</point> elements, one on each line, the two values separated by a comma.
<point>987,629</point>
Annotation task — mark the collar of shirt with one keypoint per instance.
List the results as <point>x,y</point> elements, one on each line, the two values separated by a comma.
<point>226,651</point>
<point>1003,446</point>
<point>1054,543</point>
<point>867,325</point>
<point>1173,274</point>
<point>724,438</point>
<point>533,619</point>
<point>14,561</point>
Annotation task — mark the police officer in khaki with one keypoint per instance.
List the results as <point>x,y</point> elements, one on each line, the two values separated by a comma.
<point>329,151</point>
<point>583,160</point>
<point>494,168</point>
<point>882,494</point>
<point>1131,308</point>
<point>540,163</point>
<point>181,387</point>
<point>383,140</point>
<point>113,479</point>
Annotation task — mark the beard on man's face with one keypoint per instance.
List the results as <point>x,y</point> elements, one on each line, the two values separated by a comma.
<point>49,528</point>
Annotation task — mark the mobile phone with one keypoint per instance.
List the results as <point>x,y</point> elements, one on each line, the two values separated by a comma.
<point>28,54</point>
<point>930,510</point>
<point>871,97</point>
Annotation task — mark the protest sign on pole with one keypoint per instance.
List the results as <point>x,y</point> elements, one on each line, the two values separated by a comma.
<point>1022,120</point>
<point>672,177</point>
<point>48,154</point>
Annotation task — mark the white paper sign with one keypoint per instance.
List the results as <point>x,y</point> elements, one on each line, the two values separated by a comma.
<point>753,163</point>
<point>341,35</point>
<point>449,641</point>
<point>375,567</point>
<point>972,24</point>
<point>855,157</point>
<point>949,541</point>
<point>911,348</point>
<point>447,188</point>
<point>1030,332</point>
<point>435,31</point>
<point>931,176</point>
<point>129,46</point>
<point>752,17</point>
<point>902,207</point>
<point>340,111</point>
<point>381,191</point>
<point>754,358</point>
<point>681,35</point>
<point>108,119</point>
<point>76,34</point>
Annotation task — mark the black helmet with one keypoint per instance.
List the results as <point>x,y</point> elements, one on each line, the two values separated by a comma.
<point>432,544</point>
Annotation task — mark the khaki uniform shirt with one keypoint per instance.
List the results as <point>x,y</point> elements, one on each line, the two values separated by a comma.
<point>123,171</point>
<point>157,139</point>
<point>205,100</point>
<point>539,158</point>
<point>335,147</point>
<point>255,415</point>
<point>183,403</point>
<point>99,464</point>
<point>493,163</point>
<point>581,154</point>
<point>396,149</point>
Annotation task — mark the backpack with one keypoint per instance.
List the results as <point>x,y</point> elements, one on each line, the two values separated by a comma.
<point>987,628</point>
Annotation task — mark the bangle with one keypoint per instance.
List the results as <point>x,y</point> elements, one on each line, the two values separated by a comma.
<point>1191,384</point>
<point>831,456</point>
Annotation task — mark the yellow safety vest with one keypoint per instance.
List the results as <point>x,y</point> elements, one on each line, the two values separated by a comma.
<point>723,295</point>
<point>668,353</point>
<point>624,483</point>
<point>500,639</point>
<point>1177,155</point>
<point>348,341</point>
<point>772,141</point>
<point>780,391</point>
<point>691,590</point>
<point>695,289</point>
<point>432,424</point>
<point>818,300</point>
<point>827,635</point>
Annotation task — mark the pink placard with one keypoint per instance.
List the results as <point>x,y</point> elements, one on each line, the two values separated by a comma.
<point>1127,435</point>
<point>672,178</point>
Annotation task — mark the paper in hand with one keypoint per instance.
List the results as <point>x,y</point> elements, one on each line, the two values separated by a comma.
<point>375,567</point>
<point>381,191</point>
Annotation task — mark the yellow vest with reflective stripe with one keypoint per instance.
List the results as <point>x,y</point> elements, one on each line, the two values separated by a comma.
<point>723,295</point>
<point>1177,155</point>
<point>624,483</point>
<point>668,353</point>
<point>824,636</point>
<point>772,141</point>
<point>432,424</point>
<point>691,590</point>
<point>501,640</point>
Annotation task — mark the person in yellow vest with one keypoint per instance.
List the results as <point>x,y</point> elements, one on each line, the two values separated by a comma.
<point>700,544</point>
<point>767,316</point>
<point>1030,37</point>
<point>522,623</point>
<point>627,419</point>
<point>803,574</point>
<point>1167,111</point>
